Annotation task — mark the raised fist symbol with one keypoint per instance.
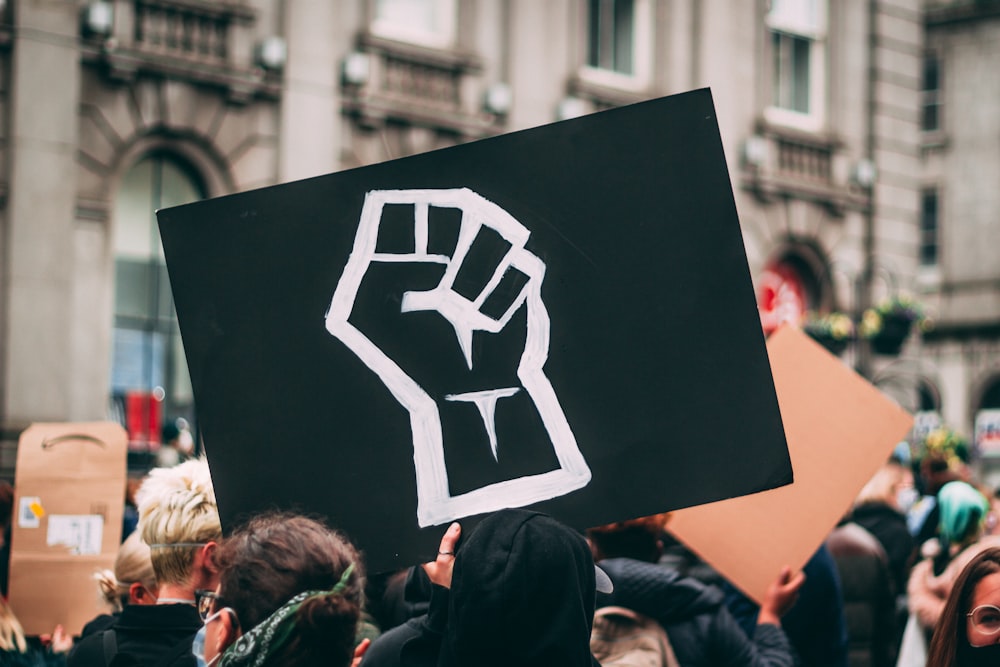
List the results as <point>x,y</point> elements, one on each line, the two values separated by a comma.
<point>466,313</point>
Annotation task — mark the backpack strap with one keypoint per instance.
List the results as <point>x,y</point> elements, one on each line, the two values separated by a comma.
<point>110,643</point>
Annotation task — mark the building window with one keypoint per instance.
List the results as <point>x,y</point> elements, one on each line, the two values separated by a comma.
<point>797,37</point>
<point>931,116</point>
<point>611,35</point>
<point>619,38</point>
<point>427,22</point>
<point>149,380</point>
<point>929,228</point>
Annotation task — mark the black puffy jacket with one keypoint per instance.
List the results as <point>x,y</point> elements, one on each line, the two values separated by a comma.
<point>701,630</point>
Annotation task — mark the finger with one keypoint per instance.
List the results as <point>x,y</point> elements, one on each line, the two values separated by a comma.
<point>396,230</point>
<point>796,582</point>
<point>443,227</point>
<point>449,541</point>
<point>505,294</point>
<point>359,651</point>
<point>480,263</point>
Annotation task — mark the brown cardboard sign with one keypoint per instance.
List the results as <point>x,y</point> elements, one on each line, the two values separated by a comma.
<point>69,494</point>
<point>839,428</point>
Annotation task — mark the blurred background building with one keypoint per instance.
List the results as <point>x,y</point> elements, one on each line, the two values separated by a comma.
<point>863,141</point>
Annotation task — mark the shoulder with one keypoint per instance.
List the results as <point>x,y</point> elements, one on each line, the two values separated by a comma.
<point>388,649</point>
<point>88,651</point>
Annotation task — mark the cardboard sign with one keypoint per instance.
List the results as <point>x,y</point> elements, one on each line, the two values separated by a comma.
<point>840,430</point>
<point>69,495</point>
<point>987,432</point>
<point>553,318</point>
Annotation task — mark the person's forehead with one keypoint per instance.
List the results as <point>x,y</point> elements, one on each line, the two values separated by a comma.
<point>987,591</point>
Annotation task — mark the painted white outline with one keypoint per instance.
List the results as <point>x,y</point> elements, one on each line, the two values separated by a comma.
<point>435,504</point>
<point>486,403</point>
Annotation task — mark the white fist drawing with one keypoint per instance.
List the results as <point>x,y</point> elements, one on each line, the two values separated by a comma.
<point>435,504</point>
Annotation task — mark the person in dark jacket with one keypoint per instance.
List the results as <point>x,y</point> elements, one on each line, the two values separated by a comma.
<point>522,593</point>
<point>179,520</point>
<point>815,624</point>
<point>878,510</point>
<point>869,597</point>
<point>701,630</point>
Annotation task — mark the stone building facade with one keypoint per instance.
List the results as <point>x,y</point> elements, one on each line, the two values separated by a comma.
<point>112,108</point>
<point>959,274</point>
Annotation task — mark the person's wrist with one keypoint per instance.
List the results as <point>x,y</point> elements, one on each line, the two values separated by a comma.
<point>767,616</point>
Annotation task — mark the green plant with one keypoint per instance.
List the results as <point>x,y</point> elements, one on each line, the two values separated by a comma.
<point>836,326</point>
<point>944,444</point>
<point>901,308</point>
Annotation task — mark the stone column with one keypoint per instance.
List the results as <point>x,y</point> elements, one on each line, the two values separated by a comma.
<point>318,33</point>
<point>41,157</point>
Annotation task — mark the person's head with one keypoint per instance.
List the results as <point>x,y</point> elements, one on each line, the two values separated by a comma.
<point>640,539</point>
<point>963,511</point>
<point>290,592</point>
<point>522,593</point>
<point>179,520</point>
<point>133,580</point>
<point>969,630</point>
<point>888,485</point>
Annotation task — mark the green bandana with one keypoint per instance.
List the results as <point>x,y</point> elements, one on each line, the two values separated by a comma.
<point>267,637</point>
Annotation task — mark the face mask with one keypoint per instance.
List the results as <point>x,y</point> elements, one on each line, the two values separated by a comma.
<point>198,645</point>
<point>976,656</point>
<point>906,499</point>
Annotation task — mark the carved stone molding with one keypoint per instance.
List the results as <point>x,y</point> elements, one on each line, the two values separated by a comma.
<point>438,89</point>
<point>201,42</point>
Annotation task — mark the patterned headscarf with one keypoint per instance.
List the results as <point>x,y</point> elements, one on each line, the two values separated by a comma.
<point>960,504</point>
<point>270,635</point>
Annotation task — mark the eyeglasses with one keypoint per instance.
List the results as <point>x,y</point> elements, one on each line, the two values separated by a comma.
<point>986,619</point>
<point>203,600</point>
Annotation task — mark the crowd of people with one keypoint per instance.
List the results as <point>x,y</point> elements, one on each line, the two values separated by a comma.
<point>897,583</point>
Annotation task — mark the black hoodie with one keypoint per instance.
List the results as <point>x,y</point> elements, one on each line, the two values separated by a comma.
<point>522,595</point>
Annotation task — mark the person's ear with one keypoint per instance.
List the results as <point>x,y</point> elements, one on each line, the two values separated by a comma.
<point>229,632</point>
<point>207,555</point>
<point>139,594</point>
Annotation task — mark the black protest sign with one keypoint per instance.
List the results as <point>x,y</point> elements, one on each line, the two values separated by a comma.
<point>559,318</point>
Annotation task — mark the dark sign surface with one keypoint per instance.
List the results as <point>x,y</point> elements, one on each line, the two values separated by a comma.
<point>559,318</point>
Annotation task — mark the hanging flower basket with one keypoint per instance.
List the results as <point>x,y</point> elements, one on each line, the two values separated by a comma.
<point>834,331</point>
<point>835,346</point>
<point>889,324</point>
<point>894,332</point>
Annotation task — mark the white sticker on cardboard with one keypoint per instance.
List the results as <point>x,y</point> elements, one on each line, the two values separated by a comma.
<point>82,533</point>
<point>30,512</point>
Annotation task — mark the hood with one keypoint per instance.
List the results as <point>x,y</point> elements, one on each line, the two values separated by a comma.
<point>875,508</point>
<point>656,591</point>
<point>522,593</point>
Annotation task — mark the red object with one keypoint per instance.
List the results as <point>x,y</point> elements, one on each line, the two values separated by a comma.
<point>781,297</point>
<point>143,416</point>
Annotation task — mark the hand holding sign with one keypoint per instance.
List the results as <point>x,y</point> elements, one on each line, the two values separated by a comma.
<point>467,311</point>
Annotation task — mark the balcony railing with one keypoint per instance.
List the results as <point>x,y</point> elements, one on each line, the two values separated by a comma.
<point>182,31</point>
<point>778,163</point>
<point>209,43</point>
<point>406,83</point>
<point>806,162</point>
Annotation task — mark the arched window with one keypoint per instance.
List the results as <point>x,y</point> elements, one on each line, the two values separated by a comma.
<point>787,289</point>
<point>149,379</point>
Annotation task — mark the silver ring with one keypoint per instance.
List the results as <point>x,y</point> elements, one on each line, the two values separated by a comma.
<point>446,553</point>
